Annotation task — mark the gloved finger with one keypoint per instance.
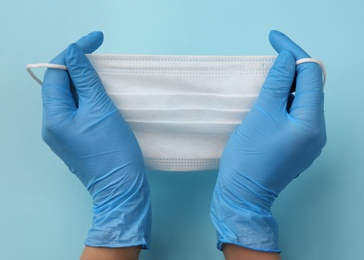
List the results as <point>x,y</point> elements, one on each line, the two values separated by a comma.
<point>281,42</point>
<point>275,90</point>
<point>309,97</point>
<point>308,102</point>
<point>86,81</point>
<point>88,43</point>
<point>56,90</point>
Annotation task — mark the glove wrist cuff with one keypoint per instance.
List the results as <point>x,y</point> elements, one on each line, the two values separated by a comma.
<point>244,227</point>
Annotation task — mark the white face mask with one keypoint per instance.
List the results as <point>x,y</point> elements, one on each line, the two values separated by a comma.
<point>182,109</point>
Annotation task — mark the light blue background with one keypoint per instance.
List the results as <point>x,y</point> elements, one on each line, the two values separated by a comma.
<point>45,212</point>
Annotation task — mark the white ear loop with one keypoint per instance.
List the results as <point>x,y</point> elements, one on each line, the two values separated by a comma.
<point>305,60</point>
<point>29,68</point>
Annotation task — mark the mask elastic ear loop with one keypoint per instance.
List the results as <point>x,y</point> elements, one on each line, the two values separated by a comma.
<point>304,60</point>
<point>29,68</point>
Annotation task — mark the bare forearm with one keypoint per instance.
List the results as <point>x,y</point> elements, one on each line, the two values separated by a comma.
<point>104,253</point>
<point>233,252</point>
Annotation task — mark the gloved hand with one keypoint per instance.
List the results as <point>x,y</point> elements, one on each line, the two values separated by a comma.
<point>87,132</point>
<point>279,138</point>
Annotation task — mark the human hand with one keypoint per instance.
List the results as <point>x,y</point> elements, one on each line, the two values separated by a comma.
<point>83,127</point>
<point>279,138</point>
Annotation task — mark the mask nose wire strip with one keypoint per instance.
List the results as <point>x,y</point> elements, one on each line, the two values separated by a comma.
<point>29,68</point>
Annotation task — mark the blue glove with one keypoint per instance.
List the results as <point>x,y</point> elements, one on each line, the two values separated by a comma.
<point>279,138</point>
<point>83,127</point>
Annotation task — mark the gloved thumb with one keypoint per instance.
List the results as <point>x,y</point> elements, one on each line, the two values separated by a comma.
<point>58,100</point>
<point>276,88</point>
<point>281,42</point>
<point>87,83</point>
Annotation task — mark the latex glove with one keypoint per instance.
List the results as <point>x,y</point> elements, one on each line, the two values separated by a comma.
<point>279,138</point>
<point>88,133</point>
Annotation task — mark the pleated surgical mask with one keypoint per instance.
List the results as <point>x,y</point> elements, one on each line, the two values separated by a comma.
<point>182,109</point>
